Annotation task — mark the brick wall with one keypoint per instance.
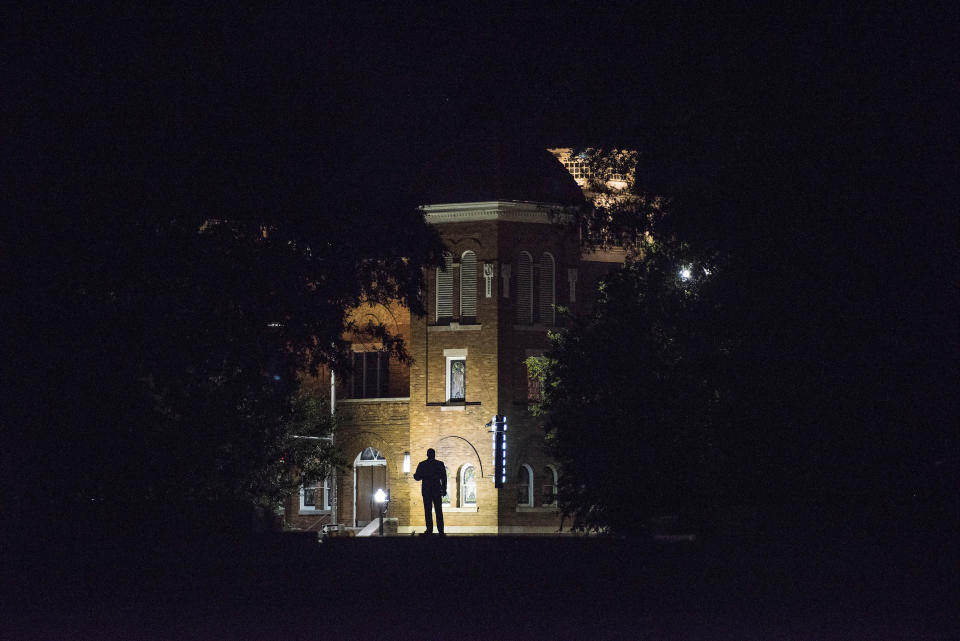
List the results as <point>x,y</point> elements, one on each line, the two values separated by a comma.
<point>381,424</point>
<point>458,432</point>
<point>496,382</point>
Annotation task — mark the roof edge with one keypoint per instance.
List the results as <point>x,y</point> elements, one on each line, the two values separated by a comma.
<point>523,211</point>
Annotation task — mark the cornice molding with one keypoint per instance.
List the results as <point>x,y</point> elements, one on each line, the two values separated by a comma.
<point>505,210</point>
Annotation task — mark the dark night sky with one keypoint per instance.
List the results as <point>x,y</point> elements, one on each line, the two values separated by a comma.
<point>836,122</point>
<point>826,103</point>
<point>378,90</point>
<point>392,82</point>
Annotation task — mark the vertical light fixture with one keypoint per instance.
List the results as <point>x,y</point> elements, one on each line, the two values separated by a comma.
<point>406,462</point>
<point>499,428</point>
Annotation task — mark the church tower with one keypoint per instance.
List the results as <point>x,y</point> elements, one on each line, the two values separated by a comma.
<point>511,259</point>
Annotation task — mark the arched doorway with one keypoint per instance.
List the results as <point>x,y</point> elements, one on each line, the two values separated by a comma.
<point>369,473</point>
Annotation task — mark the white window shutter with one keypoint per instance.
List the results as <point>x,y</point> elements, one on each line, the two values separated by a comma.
<point>547,289</point>
<point>524,288</point>
<point>445,288</point>
<point>468,285</point>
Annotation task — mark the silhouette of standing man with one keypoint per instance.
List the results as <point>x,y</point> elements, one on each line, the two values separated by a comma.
<point>433,475</point>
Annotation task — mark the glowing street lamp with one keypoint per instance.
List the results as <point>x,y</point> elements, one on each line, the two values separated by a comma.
<point>381,498</point>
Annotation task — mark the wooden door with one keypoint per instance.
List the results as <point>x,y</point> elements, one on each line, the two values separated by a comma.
<point>370,478</point>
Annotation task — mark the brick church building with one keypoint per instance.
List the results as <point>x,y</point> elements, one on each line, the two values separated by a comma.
<point>510,263</point>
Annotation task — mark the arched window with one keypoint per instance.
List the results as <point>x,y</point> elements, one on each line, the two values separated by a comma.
<point>445,288</point>
<point>371,454</point>
<point>550,485</point>
<point>524,289</point>
<point>468,286</point>
<point>548,292</point>
<point>468,486</point>
<point>525,485</point>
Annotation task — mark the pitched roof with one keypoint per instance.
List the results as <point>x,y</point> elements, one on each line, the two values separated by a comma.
<point>491,165</point>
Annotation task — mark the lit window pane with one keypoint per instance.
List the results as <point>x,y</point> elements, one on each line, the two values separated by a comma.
<point>371,454</point>
<point>458,379</point>
<point>469,486</point>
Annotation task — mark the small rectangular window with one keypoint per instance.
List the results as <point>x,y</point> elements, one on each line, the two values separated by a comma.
<point>456,379</point>
<point>315,496</point>
<point>534,388</point>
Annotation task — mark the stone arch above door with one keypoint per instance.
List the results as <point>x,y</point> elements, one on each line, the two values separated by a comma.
<point>460,450</point>
<point>354,444</point>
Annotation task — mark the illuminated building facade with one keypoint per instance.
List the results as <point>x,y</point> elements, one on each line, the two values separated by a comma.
<point>510,262</point>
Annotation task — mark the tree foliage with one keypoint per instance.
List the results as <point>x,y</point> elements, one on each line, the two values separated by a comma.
<point>190,242</point>
<point>640,435</point>
<point>770,147</point>
<point>620,212</point>
<point>168,355</point>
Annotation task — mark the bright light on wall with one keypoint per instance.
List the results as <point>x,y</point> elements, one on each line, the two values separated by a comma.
<point>499,429</point>
<point>406,462</point>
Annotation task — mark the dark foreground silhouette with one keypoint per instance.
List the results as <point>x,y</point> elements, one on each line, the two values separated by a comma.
<point>432,475</point>
<point>483,588</point>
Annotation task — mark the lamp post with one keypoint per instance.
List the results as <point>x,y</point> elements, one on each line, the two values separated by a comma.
<point>381,498</point>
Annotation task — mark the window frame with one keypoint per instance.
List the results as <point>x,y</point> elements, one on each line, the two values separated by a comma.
<point>554,479</point>
<point>525,291</point>
<point>546,305</point>
<point>468,285</point>
<point>446,275</point>
<point>448,381</point>
<point>529,475</point>
<point>321,487</point>
<point>359,376</point>
<point>531,383</point>
<point>530,401</point>
<point>461,486</point>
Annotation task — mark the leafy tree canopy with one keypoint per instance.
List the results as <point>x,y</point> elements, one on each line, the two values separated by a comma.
<point>773,153</point>
<point>641,435</point>
<point>190,240</point>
